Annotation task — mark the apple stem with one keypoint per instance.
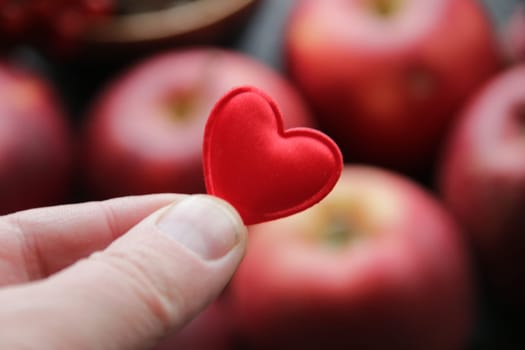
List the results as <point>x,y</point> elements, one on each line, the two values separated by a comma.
<point>384,8</point>
<point>182,105</point>
<point>339,233</point>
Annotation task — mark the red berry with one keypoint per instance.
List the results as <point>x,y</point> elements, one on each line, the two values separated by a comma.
<point>55,23</point>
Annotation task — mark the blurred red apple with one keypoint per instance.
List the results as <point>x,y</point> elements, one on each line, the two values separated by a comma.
<point>482,178</point>
<point>145,133</point>
<point>34,142</point>
<point>378,264</point>
<point>514,35</point>
<point>386,76</point>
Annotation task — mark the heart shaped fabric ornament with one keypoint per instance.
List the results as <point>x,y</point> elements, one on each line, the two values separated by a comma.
<point>262,170</point>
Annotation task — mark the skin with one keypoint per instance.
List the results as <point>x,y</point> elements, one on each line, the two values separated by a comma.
<point>117,274</point>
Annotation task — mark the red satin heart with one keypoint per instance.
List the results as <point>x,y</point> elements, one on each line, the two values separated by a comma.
<point>262,170</point>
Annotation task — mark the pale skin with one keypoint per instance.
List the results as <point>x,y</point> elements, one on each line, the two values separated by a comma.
<point>118,274</point>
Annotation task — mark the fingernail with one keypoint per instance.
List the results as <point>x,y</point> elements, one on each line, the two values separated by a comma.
<point>207,226</point>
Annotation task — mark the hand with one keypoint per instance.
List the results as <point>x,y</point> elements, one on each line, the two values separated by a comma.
<point>117,274</point>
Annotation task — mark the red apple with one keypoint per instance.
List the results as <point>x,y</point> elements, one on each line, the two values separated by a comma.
<point>482,178</point>
<point>34,142</point>
<point>145,132</point>
<point>386,76</point>
<point>514,35</point>
<point>378,264</point>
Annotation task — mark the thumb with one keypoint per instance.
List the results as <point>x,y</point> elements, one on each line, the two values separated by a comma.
<point>146,284</point>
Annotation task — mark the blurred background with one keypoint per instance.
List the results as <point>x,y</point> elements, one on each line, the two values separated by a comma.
<point>103,98</point>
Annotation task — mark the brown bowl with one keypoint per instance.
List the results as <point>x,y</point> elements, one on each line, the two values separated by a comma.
<point>195,22</point>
